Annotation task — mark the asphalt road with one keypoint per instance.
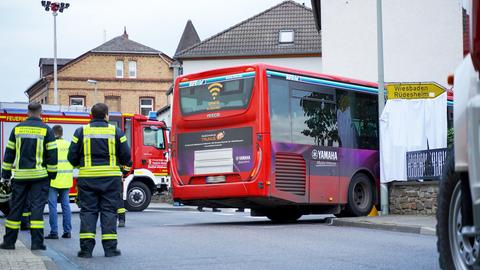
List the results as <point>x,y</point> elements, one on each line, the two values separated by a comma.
<point>161,239</point>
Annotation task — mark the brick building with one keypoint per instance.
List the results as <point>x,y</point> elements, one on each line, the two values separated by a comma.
<point>129,77</point>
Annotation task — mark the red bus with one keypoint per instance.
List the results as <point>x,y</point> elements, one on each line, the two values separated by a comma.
<point>280,141</point>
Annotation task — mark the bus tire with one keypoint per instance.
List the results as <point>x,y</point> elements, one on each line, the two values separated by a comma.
<point>284,216</point>
<point>450,245</point>
<point>138,197</point>
<point>360,197</point>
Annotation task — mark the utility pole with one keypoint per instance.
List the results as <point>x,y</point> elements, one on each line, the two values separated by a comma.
<point>55,83</point>
<point>381,97</point>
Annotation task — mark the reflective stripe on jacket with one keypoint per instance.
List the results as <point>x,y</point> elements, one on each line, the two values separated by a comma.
<point>98,149</point>
<point>31,151</point>
<point>64,177</point>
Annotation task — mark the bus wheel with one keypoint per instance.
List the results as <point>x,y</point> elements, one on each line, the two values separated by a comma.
<point>284,216</point>
<point>138,197</point>
<point>456,251</point>
<point>360,197</point>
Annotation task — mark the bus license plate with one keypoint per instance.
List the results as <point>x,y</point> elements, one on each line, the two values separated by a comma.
<point>215,179</point>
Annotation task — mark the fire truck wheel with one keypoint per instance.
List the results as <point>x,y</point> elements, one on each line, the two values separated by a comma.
<point>138,197</point>
<point>360,197</point>
<point>456,251</point>
<point>284,215</point>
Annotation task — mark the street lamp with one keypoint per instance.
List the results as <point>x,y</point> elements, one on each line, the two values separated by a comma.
<point>55,7</point>
<point>94,82</point>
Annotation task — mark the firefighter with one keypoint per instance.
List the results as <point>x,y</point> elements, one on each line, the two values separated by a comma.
<point>121,205</point>
<point>59,188</point>
<point>99,149</point>
<point>121,211</point>
<point>32,152</point>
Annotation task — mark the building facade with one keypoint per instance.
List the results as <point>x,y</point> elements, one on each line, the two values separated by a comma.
<point>423,39</point>
<point>128,76</point>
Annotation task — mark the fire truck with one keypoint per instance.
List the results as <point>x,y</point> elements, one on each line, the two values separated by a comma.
<point>146,136</point>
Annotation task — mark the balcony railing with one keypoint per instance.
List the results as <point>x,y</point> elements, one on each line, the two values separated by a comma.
<point>426,164</point>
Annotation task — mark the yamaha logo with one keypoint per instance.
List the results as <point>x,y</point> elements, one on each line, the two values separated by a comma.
<point>324,155</point>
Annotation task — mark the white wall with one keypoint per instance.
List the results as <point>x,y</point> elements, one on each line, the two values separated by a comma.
<point>304,63</point>
<point>422,39</point>
<point>166,116</point>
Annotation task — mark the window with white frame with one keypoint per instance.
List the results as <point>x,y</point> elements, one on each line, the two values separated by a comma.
<point>146,105</point>
<point>119,69</point>
<point>132,69</point>
<point>77,101</point>
<point>286,36</point>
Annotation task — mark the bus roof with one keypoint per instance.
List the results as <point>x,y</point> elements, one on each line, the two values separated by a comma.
<point>320,75</point>
<point>244,68</point>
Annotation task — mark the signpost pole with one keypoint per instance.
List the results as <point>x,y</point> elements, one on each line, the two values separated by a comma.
<point>381,96</point>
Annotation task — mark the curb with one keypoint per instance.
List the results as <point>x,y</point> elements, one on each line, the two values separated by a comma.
<point>384,226</point>
<point>49,263</point>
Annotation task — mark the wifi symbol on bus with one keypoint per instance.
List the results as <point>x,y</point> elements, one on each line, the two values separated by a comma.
<point>214,89</point>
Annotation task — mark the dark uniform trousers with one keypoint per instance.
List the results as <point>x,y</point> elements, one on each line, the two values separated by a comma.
<point>98,195</point>
<point>37,192</point>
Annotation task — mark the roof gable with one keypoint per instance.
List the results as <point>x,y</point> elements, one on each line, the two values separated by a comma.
<point>259,35</point>
<point>122,44</point>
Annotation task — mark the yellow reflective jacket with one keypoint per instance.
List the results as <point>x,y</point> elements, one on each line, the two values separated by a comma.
<point>64,168</point>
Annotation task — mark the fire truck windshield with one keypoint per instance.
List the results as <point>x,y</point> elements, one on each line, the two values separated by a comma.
<point>219,93</point>
<point>153,136</point>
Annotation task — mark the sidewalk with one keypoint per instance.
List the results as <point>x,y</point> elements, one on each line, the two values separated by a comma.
<point>400,223</point>
<point>20,258</point>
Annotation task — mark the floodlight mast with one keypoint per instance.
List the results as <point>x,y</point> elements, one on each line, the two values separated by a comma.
<point>55,7</point>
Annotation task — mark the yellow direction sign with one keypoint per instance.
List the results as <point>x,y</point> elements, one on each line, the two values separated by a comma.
<point>414,90</point>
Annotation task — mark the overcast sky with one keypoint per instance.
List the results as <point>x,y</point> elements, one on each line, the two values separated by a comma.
<point>26,30</point>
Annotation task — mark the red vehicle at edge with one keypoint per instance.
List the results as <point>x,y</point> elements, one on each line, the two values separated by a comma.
<point>280,141</point>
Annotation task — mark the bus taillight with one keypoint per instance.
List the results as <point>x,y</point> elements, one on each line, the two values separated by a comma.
<point>256,169</point>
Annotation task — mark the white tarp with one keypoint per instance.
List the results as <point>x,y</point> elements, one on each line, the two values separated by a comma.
<point>407,125</point>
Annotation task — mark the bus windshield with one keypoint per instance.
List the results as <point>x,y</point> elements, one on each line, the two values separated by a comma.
<point>219,93</point>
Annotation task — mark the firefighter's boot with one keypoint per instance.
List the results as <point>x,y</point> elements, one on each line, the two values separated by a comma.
<point>86,248</point>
